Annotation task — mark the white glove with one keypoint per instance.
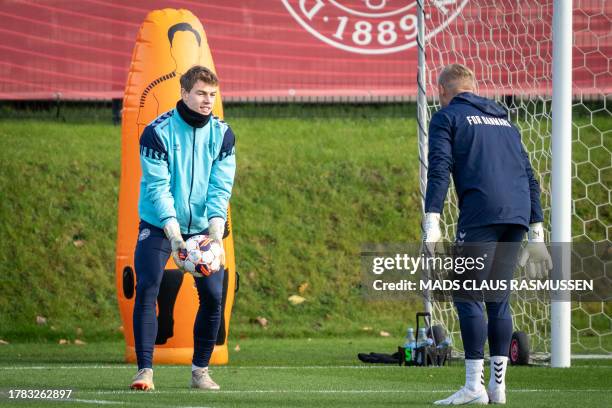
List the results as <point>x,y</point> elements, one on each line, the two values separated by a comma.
<point>431,231</point>
<point>173,233</point>
<point>535,254</point>
<point>216,228</point>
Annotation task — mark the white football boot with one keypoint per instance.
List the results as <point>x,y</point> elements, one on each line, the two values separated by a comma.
<point>497,395</point>
<point>473,392</point>
<point>200,378</point>
<point>143,380</point>
<point>466,396</point>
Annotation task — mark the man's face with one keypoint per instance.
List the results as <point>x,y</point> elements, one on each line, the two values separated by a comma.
<point>201,98</point>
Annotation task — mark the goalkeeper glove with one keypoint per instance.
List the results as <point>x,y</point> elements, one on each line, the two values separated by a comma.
<point>216,227</point>
<point>173,233</point>
<point>535,254</point>
<point>431,231</point>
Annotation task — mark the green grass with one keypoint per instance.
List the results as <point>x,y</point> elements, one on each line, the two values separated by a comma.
<point>58,229</point>
<point>285,372</point>
<point>308,193</point>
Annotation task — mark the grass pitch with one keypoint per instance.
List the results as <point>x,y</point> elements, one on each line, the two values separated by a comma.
<point>283,373</point>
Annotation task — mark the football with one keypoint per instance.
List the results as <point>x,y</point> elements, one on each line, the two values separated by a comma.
<point>201,256</point>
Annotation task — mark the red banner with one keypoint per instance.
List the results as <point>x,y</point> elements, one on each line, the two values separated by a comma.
<point>301,49</point>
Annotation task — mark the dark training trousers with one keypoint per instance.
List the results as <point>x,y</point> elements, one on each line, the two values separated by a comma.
<point>152,252</point>
<point>499,246</point>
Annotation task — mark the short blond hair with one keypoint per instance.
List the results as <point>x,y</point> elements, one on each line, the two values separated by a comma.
<point>457,76</point>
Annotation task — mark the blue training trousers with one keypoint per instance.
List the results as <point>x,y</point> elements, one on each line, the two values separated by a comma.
<point>152,252</point>
<point>499,245</point>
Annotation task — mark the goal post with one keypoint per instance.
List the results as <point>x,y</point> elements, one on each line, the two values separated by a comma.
<point>422,116</point>
<point>561,191</point>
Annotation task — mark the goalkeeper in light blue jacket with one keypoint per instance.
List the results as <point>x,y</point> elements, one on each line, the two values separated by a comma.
<point>188,165</point>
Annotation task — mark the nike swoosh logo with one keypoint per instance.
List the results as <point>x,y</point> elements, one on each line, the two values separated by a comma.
<point>470,401</point>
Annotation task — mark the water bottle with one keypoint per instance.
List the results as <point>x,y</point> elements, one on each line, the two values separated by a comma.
<point>409,344</point>
<point>422,337</point>
<point>409,337</point>
<point>420,342</point>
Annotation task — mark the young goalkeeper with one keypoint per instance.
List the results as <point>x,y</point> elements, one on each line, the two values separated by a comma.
<point>499,200</point>
<point>188,166</point>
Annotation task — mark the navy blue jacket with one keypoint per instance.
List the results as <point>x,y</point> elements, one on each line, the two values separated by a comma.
<point>472,139</point>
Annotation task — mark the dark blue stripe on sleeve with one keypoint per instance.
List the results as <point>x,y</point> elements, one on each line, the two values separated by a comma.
<point>228,145</point>
<point>151,144</point>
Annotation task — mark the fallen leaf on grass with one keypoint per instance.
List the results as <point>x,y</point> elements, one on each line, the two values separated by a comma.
<point>302,288</point>
<point>262,321</point>
<point>296,299</point>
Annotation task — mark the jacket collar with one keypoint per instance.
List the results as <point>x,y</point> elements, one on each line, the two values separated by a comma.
<point>192,118</point>
<point>485,105</point>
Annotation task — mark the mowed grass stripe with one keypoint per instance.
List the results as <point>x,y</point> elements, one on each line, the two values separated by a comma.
<point>349,367</point>
<point>338,391</point>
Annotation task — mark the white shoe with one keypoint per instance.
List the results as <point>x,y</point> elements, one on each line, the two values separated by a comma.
<point>497,395</point>
<point>200,378</point>
<point>143,380</point>
<point>466,396</point>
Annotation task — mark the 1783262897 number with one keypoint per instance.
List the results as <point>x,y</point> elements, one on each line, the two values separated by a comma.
<point>39,394</point>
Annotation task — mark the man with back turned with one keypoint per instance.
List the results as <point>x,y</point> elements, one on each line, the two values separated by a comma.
<point>471,138</point>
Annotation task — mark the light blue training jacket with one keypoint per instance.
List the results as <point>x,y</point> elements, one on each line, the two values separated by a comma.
<point>188,165</point>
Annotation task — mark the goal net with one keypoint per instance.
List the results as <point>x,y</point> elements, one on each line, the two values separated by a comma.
<point>508,45</point>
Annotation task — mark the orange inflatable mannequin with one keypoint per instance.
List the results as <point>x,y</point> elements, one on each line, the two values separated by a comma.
<point>169,42</point>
